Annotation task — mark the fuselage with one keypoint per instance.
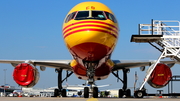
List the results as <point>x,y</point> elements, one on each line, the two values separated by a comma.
<point>90,32</point>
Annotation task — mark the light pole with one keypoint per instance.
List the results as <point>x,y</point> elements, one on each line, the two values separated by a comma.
<point>4,82</point>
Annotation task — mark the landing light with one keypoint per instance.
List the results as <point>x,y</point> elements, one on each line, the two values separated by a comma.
<point>142,68</point>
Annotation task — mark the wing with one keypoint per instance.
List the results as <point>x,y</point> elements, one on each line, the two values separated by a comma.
<point>58,64</point>
<point>126,64</point>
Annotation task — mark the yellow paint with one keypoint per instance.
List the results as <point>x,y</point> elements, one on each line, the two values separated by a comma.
<point>160,74</point>
<point>90,6</point>
<point>73,63</point>
<point>73,23</point>
<point>110,63</point>
<point>23,75</point>
<point>81,37</point>
<point>92,99</point>
<point>99,37</point>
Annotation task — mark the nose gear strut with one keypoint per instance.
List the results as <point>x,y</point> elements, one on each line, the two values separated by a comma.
<point>90,72</point>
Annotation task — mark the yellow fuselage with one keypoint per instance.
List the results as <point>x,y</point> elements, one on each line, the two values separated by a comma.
<point>90,32</point>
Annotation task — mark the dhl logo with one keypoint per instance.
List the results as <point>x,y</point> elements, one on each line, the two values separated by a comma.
<point>24,75</point>
<point>160,74</point>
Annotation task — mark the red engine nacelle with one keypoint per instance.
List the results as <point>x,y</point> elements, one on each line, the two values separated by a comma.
<point>160,76</point>
<point>26,75</point>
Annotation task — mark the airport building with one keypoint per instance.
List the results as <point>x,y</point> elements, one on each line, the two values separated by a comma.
<point>38,92</point>
<point>7,89</point>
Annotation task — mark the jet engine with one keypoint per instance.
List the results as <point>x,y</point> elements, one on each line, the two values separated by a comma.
<point>161,76</point>
<point>26,75</point>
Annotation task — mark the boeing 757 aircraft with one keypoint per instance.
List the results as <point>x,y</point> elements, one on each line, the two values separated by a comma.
<point>90,31</point>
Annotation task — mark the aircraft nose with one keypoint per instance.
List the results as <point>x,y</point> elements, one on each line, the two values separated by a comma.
<point>90,40</point>
<point>90,51</point>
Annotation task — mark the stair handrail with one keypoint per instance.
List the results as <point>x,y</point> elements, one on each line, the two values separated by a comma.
<point>162,25</point>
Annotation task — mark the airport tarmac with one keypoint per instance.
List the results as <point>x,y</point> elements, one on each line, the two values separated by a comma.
<point>83,99</point>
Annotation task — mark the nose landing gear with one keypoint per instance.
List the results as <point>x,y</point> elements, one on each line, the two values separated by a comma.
<point>92,89</point>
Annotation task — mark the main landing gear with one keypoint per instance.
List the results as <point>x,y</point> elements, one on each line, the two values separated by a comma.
<point>60,91</point>
<point>124,91</point>
<point>92,89</point>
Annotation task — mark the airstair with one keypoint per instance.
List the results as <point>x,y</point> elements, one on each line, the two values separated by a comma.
<point>164,36</point>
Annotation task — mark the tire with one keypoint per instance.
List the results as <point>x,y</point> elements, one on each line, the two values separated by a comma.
<point>139,94</point>
<point>128,93</point>
<point>56,92</point>
<point>80,93</point>
<point>106,93</point>
<point>86,92</point>
<point>120,93</point>
<point>95,92</point>
<point>63,93</point>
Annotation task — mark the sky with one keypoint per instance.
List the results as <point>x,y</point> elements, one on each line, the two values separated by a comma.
<point>32,29</point>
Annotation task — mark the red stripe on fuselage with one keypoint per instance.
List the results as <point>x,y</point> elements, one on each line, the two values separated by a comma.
<point>89,29</point>
<point>90,25</point>
<point>98,22</point>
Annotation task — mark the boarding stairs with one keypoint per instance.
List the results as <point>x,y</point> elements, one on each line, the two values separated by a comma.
<point>164,36</point>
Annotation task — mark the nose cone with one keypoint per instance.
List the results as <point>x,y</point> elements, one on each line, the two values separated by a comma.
<point>89,39</point>
<point>91,43</point>
<point>90,51</point>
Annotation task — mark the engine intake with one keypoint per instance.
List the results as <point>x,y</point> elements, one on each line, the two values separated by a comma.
<point>26,75</point>
<point>161,76</point>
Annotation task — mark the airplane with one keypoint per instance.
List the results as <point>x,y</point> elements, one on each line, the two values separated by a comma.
<point>90,31</point>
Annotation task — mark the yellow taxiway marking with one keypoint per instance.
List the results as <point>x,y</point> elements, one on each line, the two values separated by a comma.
<point>92,99</point>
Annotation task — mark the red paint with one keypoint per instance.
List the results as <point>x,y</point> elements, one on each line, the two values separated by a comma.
<point>84,22</point>
<point>91,25</point>
<point>90,8</point>
<point>90,29</point>
<point>79,70</point>
<point>24,74</point>
<point>161,75</point>
<point>90,51</point>
<point>103,70</point>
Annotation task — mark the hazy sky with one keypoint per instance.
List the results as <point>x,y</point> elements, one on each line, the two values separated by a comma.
<point>32,29</point>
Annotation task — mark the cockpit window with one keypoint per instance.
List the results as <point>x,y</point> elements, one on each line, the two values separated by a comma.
<point>82,15</point>
<point>111,17</point>
<point>70,16</point>
<point>99,15</point>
